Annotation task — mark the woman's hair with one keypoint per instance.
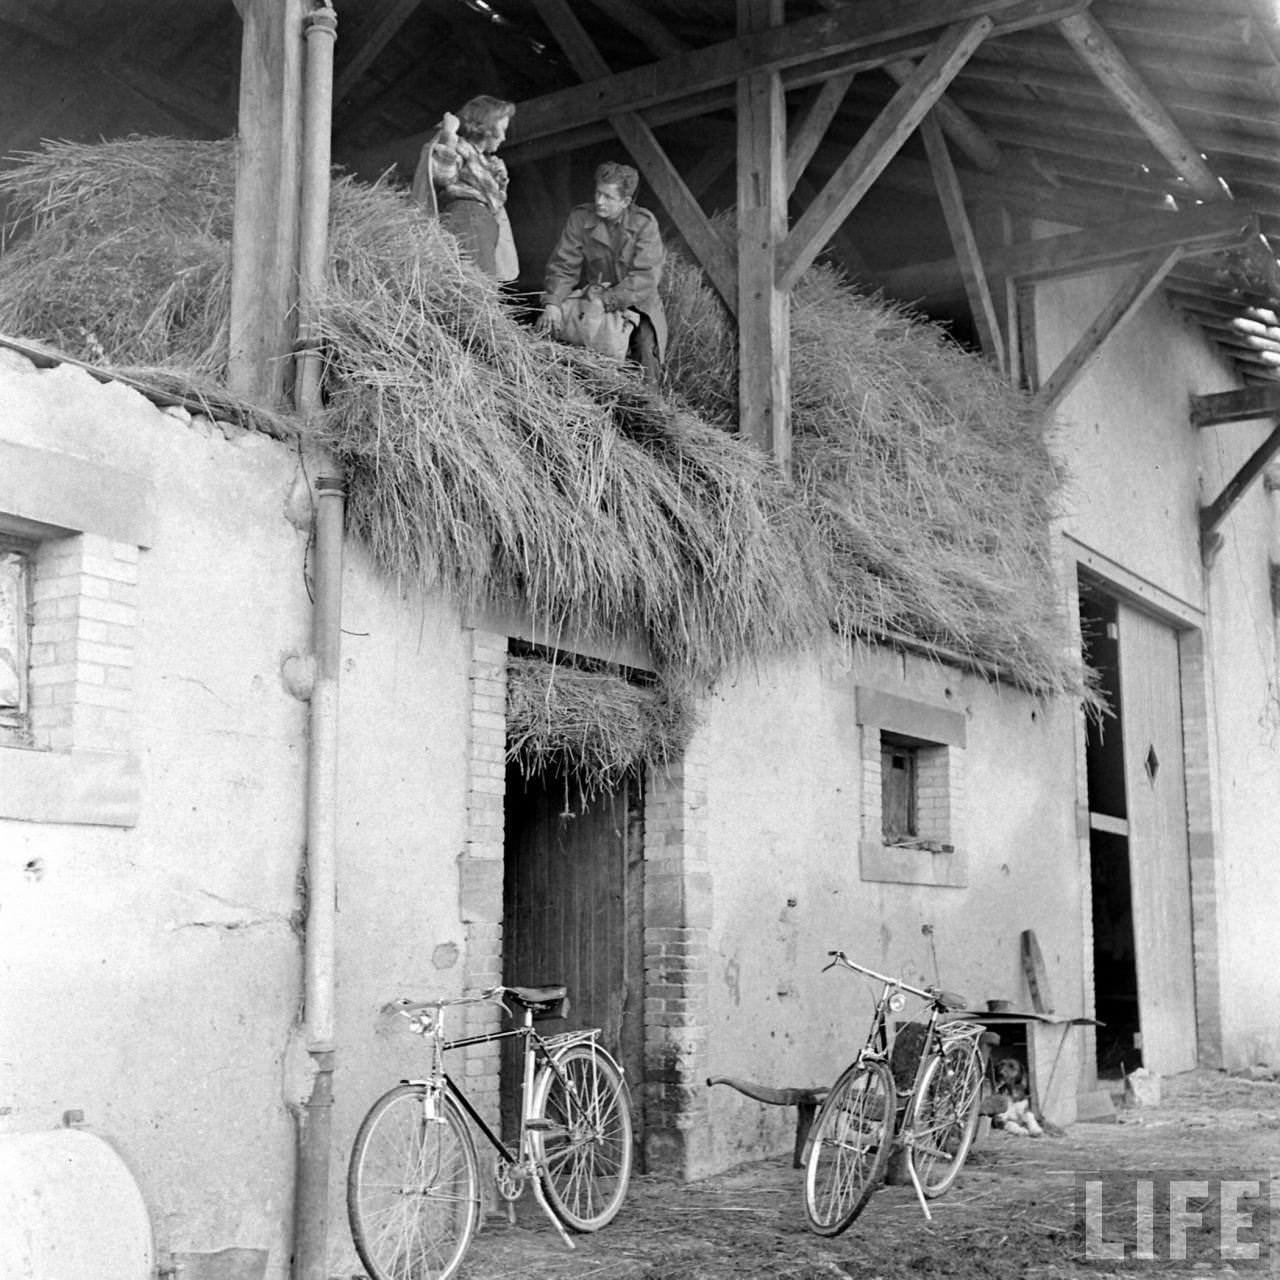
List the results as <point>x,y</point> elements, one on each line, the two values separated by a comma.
<point>478,119</point>
<point>622,176</point>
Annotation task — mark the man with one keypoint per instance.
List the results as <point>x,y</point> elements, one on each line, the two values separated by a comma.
<point>616,245</point>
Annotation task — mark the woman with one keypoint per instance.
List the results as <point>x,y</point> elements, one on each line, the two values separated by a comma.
<point>460,176</point>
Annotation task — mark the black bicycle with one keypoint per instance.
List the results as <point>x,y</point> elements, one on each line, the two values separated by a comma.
<point>919,1092</point>
<point>413,1181</point>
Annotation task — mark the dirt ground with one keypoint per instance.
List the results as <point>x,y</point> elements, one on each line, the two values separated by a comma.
<point>1018,1210</point>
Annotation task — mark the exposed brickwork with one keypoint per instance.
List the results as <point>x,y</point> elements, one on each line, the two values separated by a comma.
<point>84,620</point>
<point>480,864</point>
<point>677,964</point>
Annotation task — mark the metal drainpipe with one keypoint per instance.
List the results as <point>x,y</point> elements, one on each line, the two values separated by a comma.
<point>311,1195</point>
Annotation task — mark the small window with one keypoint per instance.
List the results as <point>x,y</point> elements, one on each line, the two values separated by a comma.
<point>15,642</point>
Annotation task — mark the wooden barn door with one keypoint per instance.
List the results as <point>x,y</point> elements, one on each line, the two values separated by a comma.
<point>1159,858</point>
<point>573,910</point>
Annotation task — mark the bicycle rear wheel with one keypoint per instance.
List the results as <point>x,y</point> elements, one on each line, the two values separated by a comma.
<point>849,1147</point>
<point>581,1132</point>
<point>413,1186</point>
<point>943,1116</point>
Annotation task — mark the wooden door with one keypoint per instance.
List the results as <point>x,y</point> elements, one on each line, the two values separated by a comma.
<point>1159,865</point>
<point>573,908</point>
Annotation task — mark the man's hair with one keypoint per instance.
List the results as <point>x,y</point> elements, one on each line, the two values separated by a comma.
<point>622,176</point>
<point>478,119</point>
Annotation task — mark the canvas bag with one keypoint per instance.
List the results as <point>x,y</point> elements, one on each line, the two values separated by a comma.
<point>587,324</point>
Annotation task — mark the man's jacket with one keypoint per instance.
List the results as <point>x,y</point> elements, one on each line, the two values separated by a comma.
<point>585,255</point>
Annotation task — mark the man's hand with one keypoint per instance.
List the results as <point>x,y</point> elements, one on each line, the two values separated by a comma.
<point>448,128</point>
<point>611,302</point>
<point>551,320</point>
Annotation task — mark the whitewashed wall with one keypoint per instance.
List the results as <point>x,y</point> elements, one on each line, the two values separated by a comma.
<point>152,971</point>
<point>1141,472</point>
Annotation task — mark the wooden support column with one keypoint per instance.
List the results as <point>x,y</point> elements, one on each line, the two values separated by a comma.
<point>764,310</point>
<point>264,247</point>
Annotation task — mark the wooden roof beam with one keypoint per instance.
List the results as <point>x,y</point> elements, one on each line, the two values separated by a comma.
<point>167,93</point>
<point>868,34</point>
<point>369,42</point>
<point>877,147</point>
<point>1101,55</point>
<point>1235,406</point>
<point>714,256</point>
<point>1202,230</point>
<point>1140,285</point>
<point>956,124</point>
<point>664,92</point>
<point>654,34</point>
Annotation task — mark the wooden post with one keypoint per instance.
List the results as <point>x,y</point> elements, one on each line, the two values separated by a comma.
<point>764,310</point>
<point>264,248</point>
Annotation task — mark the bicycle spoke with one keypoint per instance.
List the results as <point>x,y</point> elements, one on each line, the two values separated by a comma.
<point>585,1150</point>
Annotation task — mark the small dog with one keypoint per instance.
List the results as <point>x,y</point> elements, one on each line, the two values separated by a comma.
<point>1017,1117</point>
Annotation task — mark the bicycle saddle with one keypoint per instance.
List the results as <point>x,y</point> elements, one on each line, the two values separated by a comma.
<point>536,998</point>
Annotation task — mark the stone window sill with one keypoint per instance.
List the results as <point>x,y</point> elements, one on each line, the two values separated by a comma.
<point>904,864</point>
<point>91,788</point>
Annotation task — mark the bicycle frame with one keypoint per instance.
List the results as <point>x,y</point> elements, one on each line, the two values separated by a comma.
<point>537,1050</point>
<point>879,1045</point>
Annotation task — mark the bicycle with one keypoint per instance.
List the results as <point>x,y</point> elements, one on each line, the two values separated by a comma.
<point>413,1181</point>
<point>918,1092</point>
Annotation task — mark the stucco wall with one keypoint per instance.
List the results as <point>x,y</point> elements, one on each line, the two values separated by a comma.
<point>152,971</point>
<point>788,887</point>
<point>1140,473</point>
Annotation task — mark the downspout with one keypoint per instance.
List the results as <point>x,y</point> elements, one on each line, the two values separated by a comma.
<point>311,1193</point>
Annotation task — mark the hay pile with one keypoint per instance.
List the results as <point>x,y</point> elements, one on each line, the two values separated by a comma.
<point>497,466</point>
<point>929,478</point>
<point>588,720</point>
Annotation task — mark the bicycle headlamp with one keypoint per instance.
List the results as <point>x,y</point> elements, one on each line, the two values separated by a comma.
<point>897,1002</point>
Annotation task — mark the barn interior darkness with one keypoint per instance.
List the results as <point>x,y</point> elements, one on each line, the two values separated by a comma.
<point>1114,962</point>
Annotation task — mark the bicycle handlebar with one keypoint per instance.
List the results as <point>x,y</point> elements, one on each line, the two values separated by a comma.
<point>839,957</point>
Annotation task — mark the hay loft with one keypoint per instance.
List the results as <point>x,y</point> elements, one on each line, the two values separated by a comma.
<point>495,465</point>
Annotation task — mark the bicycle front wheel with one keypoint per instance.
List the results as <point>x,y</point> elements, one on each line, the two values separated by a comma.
<point>943,1116</point>
<point>581,1133</point>
<point>849,1147</point>
<point>413,1186</point>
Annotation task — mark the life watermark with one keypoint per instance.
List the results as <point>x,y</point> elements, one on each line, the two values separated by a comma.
<point>1129,1217</point>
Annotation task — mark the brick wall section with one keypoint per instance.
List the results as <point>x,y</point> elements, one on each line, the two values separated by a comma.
<point>939,791</point>
<point>480,864</point>
<point>933,794</point>
<point>84,620</point>
<point>1202,846</point>
<point>677,906</point>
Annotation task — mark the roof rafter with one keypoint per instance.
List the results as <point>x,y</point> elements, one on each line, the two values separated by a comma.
<point>873,151</point>
<point>1101,55</point>
<point>1143,281</point>
<point>1202,230</point>
<point>159,89</point>
<point>372,38</point>
<point>868,34</point>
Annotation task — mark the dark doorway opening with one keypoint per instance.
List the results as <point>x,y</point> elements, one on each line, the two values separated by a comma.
<point>573,913</point>
<point>1115,974</point>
